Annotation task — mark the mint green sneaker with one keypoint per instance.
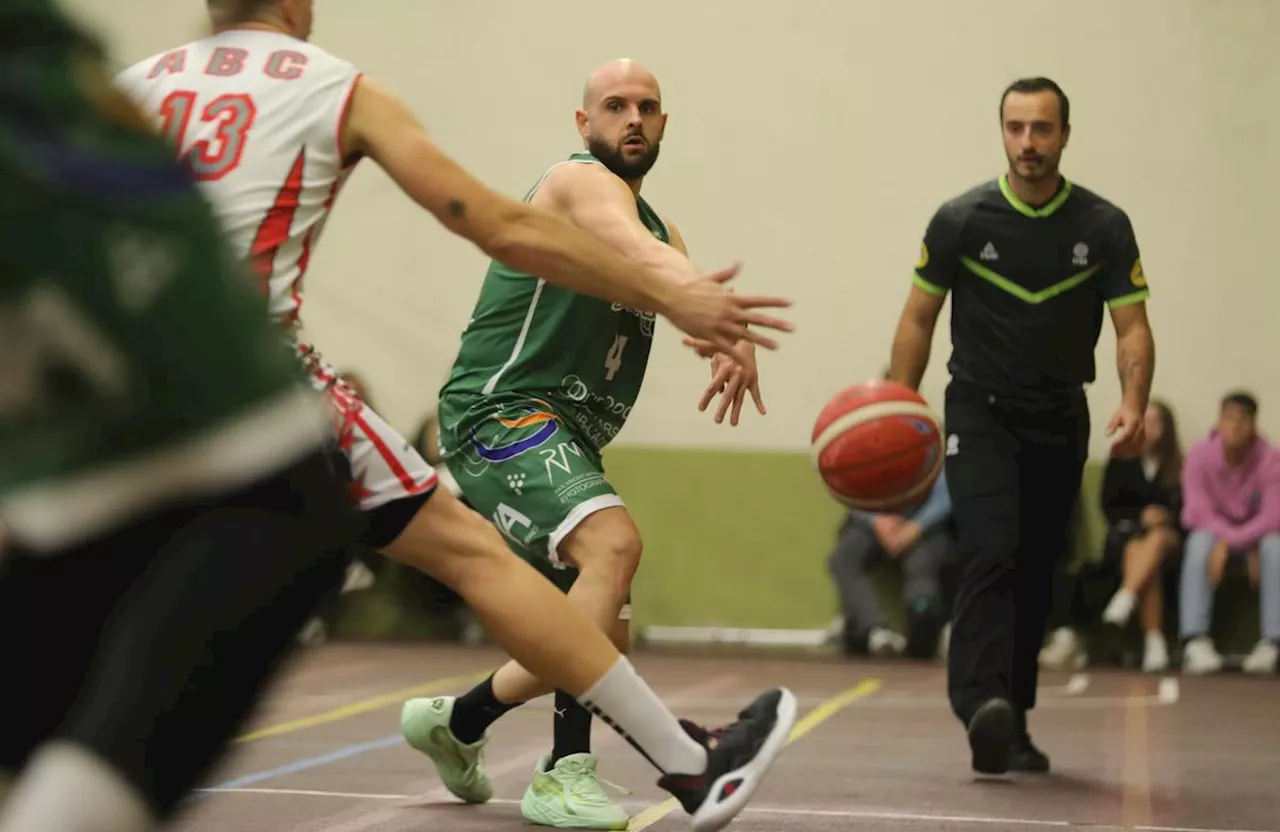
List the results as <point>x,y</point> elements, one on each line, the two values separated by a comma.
<point>569,796</point>
<point>425,726</point>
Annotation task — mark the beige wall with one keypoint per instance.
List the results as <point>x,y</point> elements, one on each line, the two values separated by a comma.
<point>813,139</point>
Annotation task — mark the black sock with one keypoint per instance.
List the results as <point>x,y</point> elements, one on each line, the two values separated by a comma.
<point>572,730</point>
<point>475,711</point>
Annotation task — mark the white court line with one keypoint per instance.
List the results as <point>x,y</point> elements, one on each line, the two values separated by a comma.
<point>785,811</point>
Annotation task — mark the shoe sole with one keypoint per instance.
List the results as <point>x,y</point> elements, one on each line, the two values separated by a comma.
<point>713,815</point>
<point>991,737</point>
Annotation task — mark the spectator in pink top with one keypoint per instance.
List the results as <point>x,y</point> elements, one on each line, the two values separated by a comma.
<point>1231,508</point>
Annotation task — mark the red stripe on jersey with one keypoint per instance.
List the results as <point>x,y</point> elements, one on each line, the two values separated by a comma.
<point>388,457</point>
<point>276,225</point>
<point>305,259</point>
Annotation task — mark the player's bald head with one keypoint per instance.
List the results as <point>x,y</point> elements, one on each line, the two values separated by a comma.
<point>621,120</point>
<point>622,72</point>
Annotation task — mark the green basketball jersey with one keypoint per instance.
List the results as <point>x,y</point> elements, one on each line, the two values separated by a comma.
<point>527,339</point>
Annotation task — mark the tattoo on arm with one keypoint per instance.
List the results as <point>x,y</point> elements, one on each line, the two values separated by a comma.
<point>457,209</point>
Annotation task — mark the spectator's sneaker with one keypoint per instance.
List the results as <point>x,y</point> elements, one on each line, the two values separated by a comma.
<point>424,723</point>
<point>1120,608</point>
<point>1200,657</point>
<point>569,796</point>
<point>1063,651</point>
<point>738,756</point>
<point>991,734</point>
<point>885,643</point>
<point>1155,653</point>
<point>1262,661</point>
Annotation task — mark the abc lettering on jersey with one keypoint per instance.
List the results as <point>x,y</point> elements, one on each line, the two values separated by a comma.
<point>256,117</point>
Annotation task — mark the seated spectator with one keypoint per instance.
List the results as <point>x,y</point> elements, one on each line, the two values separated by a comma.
<point>1231,510</point>
<point>1142,502</point>
<point>922,542</point>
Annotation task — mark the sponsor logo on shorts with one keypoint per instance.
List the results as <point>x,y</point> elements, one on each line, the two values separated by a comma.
<point>595,419</point>
<point>536,414</point>
<point>570,491</point>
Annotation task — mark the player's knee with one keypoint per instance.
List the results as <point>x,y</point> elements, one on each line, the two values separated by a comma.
<point>607,546</point>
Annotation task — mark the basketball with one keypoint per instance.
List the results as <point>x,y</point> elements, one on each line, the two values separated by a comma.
<point>878,446</point>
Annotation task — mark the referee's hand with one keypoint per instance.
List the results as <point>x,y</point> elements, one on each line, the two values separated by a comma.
<point>1126,426</point>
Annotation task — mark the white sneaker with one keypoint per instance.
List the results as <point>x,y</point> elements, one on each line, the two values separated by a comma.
<point>1063,651</point>
<point>358,577</point>
<point>883,642</point>
<point>1155,654</point>
<point>1120,608</point>
<point>1200,657</point>
<point>1262,661</point>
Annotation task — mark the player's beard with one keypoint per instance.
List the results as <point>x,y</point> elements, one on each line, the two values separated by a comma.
<point>627,168</point>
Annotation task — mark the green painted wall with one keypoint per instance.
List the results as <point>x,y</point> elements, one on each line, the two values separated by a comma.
<point>732,538</point>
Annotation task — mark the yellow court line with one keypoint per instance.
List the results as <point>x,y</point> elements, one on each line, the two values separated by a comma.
<point>804,725</point>
<point>362,706</point>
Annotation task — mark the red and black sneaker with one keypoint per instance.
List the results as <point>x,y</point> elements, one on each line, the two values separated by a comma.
<point>738,756</point>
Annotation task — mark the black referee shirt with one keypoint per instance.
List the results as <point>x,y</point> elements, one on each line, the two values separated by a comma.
<point>1029,285</point>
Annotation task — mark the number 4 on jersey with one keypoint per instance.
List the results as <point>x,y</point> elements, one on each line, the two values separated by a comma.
<point>233,113</point>
<point>613,360</point>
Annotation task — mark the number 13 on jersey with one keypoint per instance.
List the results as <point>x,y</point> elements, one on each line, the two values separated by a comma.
<point>232,114</point>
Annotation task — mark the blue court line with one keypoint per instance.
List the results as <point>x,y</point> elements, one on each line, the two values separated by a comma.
<point>304,764</point>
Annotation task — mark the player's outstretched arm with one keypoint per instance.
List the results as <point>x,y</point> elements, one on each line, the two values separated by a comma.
<point>913,339</point>
<point>595,200</point>
<point>380,126</point>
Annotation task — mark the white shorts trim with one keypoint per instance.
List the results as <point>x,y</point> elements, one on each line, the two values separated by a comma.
<point>385,466</point>
<point>235,453</point>
<point>579,513</point>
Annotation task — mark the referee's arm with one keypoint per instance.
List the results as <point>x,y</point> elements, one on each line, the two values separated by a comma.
<point>933,278</point>
<point>1124,286</point>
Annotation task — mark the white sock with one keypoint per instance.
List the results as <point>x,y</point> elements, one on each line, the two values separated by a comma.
<point>628,705</point>
<point>67,789</point>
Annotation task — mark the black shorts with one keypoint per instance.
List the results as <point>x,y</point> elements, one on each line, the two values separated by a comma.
<point>149,646</point>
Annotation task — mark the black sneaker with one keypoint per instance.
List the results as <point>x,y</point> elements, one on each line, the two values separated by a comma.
<point>991,734</point>
<point>738,756</point>
<point>1026,757</point>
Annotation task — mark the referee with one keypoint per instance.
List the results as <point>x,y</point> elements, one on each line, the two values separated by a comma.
<point>1031,260</point>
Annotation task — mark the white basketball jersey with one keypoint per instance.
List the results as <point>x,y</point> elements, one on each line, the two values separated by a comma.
<point>256,115</point>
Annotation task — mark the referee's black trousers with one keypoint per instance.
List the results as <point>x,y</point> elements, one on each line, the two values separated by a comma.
<point>1014,466</point>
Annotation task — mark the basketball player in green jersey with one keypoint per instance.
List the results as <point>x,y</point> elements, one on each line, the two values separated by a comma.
<point>171,517</point>
<point>544,379</point>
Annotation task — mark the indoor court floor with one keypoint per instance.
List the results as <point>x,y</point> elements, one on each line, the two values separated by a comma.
<point>875,748</point>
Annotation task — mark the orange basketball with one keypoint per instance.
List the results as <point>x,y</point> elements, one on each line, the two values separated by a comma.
<point>878,446</point>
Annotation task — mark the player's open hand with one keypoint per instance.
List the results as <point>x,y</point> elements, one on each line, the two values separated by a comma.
<point>1127,428</point>
<point>730,380</point>
<point>707,310</point>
